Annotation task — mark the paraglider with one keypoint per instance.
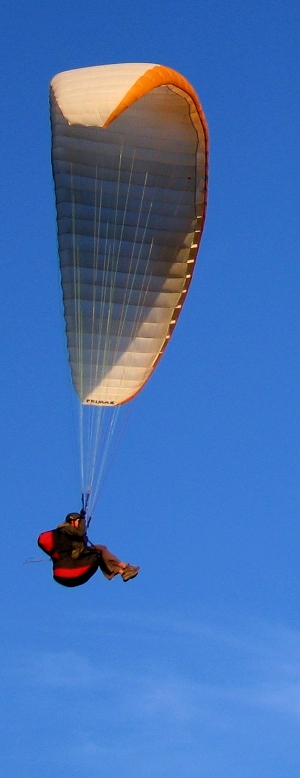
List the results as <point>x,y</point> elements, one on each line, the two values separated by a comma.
<point>129,158</point>
<point>74,561</point>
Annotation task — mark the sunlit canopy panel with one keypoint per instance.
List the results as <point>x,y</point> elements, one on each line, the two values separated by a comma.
<point>129,156</point>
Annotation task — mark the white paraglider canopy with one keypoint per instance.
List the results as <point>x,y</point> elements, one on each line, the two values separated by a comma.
<point>129,155</point>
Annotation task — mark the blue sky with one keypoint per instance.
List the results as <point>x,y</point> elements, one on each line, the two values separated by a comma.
<point>194,667</point>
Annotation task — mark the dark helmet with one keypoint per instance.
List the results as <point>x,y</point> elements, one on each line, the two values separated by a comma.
<point>73,517</point>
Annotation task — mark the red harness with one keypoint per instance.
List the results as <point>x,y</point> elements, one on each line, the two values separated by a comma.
<point>67,576</point>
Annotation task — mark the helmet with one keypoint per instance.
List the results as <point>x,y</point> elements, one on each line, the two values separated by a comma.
<point>73,517</point>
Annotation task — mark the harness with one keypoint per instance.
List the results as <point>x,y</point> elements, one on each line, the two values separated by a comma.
<point>68,575</point>
<point>64,573</point>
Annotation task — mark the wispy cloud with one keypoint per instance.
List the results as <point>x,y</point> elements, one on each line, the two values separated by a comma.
<point>266,657</point>
<point>177,683</point>
<point>65,669</point>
